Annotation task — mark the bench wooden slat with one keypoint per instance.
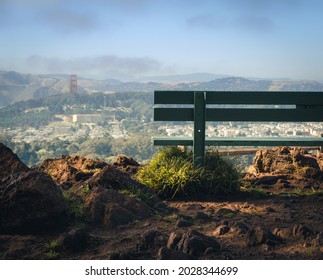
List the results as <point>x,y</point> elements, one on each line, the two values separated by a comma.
<point>241,141</point>
<point>265,115</point>
<point>242,97</point>
<point>251,115</point>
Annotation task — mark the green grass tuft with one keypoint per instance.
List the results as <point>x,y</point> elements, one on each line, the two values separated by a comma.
<point>171,173</point>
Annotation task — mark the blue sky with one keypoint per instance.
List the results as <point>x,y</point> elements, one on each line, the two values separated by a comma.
<point>127,39</point>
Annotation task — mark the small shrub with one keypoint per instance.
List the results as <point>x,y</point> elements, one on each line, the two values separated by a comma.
<point>171,172</point>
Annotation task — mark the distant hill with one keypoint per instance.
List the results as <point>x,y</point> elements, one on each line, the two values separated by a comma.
<point>16,87</point>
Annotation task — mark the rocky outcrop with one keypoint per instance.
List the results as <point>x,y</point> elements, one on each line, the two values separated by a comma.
<point>284,169</point>
<point>69,170</point>
<point>30,202</point>
<point>126,164</point>
<point>10,163</point>
<point>285,160</point>
<point>108,207</point>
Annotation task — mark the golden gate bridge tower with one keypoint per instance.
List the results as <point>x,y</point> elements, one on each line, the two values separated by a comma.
<point>73,84</point>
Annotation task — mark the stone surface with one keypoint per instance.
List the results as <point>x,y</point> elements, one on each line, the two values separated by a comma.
<point>74,240</point>
<point>165,253</point>
<point>31,202</point>
<point>221,230</point>
<point>10,163</point>
<point>260,236</point>
<point>109,208</point>
<point>195,243</point>
<point>285,160</point>
<point>70,170</point>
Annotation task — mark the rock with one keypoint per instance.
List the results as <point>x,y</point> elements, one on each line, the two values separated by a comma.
<point>108,207</point>
<point>268,209</point>
<point>31,202</point>
<point>69,170</point>
<point>221,230</point>
<point>165,253</point>
<point>110,178</point>
<point>174,238</point>
<point>195,207</point>
<point>225,212</point>
<point>302,231</point>
<point>75,240</point>
<point>181,223</point>
<point>202,216</point>
<point>267,180</point>
<point>285,160</point>
<point>318,241</point>
<point>127,164</point>
<point>195,243</point>
<point>260,236</point>
<point>152,238</point>
<point>241,227</point>
<point>285,233</point>
<point>10,163</point>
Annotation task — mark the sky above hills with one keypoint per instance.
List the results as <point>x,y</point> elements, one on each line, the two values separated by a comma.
<point>127,39</point>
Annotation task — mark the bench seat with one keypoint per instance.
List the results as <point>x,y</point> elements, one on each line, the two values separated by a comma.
<point>241,141</point>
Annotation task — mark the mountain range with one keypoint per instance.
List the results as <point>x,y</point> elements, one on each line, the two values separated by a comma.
<point>16,86</point>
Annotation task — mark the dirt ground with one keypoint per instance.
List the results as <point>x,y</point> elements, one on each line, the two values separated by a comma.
<point>296,220</point>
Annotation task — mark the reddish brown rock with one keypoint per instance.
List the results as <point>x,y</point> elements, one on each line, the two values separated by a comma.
<point>108,207</point>
<point>31,202</point>
<point>10,163</point>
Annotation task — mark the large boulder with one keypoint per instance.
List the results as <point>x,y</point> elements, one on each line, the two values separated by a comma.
<point>286,160</point>
<point>10,163</point>
<point>110,208</point>
<point>30,202</point>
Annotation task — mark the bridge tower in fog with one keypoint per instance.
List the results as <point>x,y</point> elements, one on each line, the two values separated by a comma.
<point>73,84</point>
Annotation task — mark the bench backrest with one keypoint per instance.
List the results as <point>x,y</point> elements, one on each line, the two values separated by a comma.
<point>308,107</point>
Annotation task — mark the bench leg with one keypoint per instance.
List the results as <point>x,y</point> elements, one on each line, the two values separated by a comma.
<point>199,129</point>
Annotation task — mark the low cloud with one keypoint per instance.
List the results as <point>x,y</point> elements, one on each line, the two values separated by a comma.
<point>105,66</point>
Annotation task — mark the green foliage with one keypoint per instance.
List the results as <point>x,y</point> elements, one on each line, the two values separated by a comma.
<point>171,172</point>
<point>52,248</point>
<point>75,207</point>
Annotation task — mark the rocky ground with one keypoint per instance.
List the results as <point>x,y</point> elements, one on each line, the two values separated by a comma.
<point>78,208</point>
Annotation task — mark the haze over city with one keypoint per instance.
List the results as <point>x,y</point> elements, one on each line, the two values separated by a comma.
<point>132,39</point>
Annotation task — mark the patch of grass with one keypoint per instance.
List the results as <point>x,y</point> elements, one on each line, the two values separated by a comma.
<point>171,173</point>
<point>75,207</point>
<point>52,245</point>
<point>52,253</point>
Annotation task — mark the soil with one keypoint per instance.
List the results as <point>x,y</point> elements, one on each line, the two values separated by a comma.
<point>272,212</point>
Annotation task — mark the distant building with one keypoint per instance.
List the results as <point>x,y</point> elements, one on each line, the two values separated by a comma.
<point>88,118</point>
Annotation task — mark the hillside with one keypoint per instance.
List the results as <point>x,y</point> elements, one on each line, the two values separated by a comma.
<point>16,87</point>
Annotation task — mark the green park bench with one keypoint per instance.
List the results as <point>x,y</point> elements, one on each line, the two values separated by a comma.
<point>196,106</point>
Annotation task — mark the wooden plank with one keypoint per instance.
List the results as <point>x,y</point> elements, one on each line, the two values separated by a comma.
<point>242,97</point>
<point>199,129</point>
<point>173,97</point>
<point>263,141</point>
<point>173,141</point>
<point>265,98</point>
<point>173,114</point>
<point>241,141</point>
<point>265,115</point>
<point>236,114</point>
